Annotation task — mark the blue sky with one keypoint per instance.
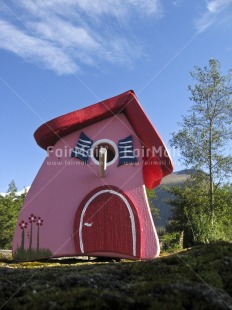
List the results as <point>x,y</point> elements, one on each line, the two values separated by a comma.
<point>57,56</point>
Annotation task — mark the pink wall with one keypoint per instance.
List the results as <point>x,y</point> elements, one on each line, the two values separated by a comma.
<point>61,184</point>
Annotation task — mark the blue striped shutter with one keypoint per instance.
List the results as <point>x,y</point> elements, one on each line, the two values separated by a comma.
<point>126,151</point>
<point>81,150</point>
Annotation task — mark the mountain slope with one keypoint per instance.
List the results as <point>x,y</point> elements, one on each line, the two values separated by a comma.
<point>176,178</point>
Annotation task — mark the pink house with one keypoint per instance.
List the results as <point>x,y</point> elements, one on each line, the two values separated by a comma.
<point>89,196</point>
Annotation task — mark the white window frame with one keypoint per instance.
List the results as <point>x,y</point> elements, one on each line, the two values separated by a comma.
<point>102,141</point>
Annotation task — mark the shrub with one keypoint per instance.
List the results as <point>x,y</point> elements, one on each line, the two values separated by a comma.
<point>172,242</point>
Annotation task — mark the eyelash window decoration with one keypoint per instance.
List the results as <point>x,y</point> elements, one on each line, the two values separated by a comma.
<point>126,151</point>
<point>81,150</point>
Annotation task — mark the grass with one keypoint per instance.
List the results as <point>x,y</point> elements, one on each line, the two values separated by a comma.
<point>30,254</point>
<point>197,278</point>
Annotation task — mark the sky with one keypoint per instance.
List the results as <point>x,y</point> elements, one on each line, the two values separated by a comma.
<point>57,56</point>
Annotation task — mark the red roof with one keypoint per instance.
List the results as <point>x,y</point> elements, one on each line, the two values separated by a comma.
<point>154,167</point>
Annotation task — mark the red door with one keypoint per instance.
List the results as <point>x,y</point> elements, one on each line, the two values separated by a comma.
<point>107,221</point>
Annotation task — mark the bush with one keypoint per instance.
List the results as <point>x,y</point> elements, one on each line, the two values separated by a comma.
<point>171,242</point>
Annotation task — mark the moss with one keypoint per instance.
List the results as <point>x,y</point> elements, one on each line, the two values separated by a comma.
<point>197,278</point>
<point>212,277</point>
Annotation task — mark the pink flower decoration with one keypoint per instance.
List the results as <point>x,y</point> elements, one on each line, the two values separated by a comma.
<point>23,225</point>
<point>32,218</point>
<point>39,221</point>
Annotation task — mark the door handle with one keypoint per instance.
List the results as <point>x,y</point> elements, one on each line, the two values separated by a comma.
<point>88,224</point>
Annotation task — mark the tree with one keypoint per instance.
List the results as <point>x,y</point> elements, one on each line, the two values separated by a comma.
<point>151,196</point>
<point>10,205</point>
<point>191,213</point>
<point>12,189</point>
<point>206,131</point>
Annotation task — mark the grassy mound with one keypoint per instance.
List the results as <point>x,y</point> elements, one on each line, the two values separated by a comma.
<point>198,278</point>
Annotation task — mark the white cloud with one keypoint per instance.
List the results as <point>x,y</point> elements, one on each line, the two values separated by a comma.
<point>214,6</point>
<point>64,35</point>
<point>216,11</point>
<point>18,193</point>
<point>35,50</point>
<point>177,2</point>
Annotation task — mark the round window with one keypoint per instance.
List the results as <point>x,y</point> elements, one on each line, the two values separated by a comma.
<point>110,146</point>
